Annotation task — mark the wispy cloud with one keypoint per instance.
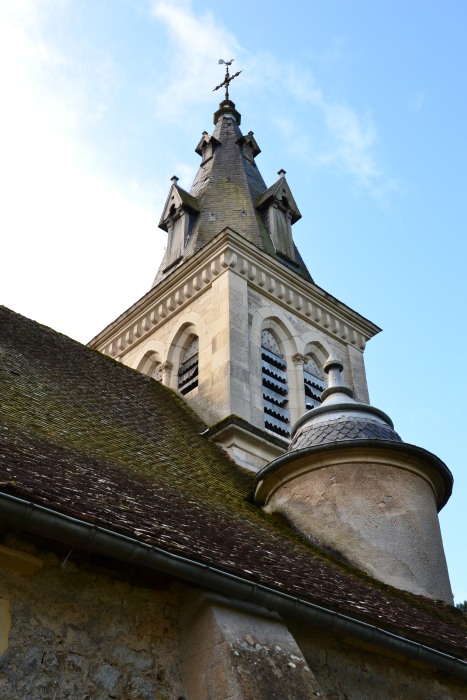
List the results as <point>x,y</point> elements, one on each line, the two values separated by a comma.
<point>351,139</point>
<point>354,142</point>
<point>56,200</point>
<point>186,172</point>
<point>198,41</point>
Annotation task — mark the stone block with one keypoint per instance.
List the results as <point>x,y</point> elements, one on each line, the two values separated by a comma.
<point>241,652</point>
<point>5,624</point>
<point>19,561</point>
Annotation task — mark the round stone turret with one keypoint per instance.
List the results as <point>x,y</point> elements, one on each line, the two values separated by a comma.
<point>350,484</point>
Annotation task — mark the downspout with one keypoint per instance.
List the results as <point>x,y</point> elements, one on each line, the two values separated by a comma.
<point>77,533</point>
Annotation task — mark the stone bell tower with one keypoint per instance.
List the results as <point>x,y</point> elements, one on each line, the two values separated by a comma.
<point>236,325</point>
<point>234,321</point>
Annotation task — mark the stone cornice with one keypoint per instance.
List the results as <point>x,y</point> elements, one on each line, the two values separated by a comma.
<point>380,453</point>
<point>230,251</point>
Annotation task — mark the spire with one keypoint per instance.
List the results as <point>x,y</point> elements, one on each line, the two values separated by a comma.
<point>229,192</point>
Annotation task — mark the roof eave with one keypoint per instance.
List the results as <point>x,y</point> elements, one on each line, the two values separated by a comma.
<point>94,538</point>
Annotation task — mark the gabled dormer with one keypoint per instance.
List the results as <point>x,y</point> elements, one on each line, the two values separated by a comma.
<point>177,219</point>
<point>206,147</point>
<point>249,146</point>
<point>279,211</point>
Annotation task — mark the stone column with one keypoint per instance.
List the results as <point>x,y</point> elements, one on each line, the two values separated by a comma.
<point>297,390</point>
<point>166,369</point>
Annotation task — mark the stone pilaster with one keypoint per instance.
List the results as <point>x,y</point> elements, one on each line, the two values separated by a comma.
<point>236,650</point>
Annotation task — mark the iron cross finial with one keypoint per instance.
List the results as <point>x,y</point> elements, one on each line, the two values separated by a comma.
<point>228,78</point>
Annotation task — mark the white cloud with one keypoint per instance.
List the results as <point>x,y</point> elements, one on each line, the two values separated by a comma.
<point>186,172</point>
<point>416,101</point>
<point>354,142</point>
<point>62,214</point>
<point>197,44</point>
<point>352,138</point>
<point>60,202</point>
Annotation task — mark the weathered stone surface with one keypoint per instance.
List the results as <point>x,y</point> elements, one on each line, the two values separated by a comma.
<point>228,316</point>
<point>379,516</point>
<point>345,672</point>
<point>78,635</point>
<point>240,652</point>
<point>81,635</point>
<point>5,623</point>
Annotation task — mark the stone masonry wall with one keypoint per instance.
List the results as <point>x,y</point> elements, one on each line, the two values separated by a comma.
<point>228,317</point>
<point>69,630</point>
<point>343,671</point>
<point>79,634</point>
<point>378,516</point>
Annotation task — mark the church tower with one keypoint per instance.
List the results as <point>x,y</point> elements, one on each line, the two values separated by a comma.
<point>234,321</point>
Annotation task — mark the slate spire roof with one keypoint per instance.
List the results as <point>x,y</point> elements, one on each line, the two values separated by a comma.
<point>340,417</point>
<point>229,191</point>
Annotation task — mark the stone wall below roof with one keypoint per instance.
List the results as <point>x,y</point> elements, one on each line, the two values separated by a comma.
<point>81,634</point>
<point>347,670</point>
<point>75,633</point>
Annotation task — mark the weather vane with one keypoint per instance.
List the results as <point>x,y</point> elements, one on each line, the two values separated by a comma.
<point>228,78</point>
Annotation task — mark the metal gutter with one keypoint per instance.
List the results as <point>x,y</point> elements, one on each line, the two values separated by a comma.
<point>78,533</point>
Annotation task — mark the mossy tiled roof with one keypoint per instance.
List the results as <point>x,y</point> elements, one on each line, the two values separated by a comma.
<point>89,437</point>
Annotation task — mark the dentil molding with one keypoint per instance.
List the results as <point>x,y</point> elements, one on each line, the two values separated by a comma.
<point>229,251</point>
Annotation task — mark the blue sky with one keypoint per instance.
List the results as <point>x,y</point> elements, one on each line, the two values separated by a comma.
<point>363,104</point>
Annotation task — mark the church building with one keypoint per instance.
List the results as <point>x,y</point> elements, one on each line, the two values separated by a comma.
<point>202,504</point>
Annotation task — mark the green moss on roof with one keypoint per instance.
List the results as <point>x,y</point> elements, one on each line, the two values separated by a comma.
<point>87,436</point>
<point>188,199</point>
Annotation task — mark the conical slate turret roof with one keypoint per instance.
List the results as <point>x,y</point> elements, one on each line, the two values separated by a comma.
<point>340,417</point>
<point>343,422</point>
<point>229,191</point>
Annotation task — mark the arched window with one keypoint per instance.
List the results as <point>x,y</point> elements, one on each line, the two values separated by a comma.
<point>275,387</point>
<point>314,383</point>
<point>188,371</point>
<point>151,365</point>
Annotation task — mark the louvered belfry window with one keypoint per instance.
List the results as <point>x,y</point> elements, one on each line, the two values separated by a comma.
<point>188,372</point>
<point>314,384</point>
<point>275,387</point>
